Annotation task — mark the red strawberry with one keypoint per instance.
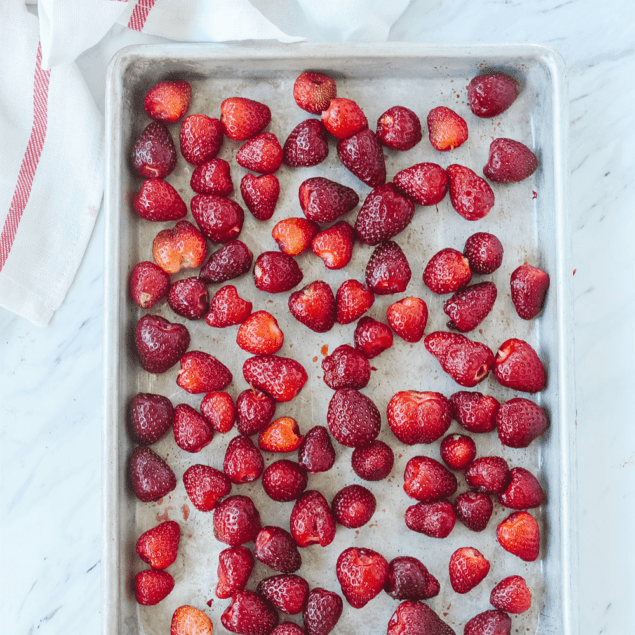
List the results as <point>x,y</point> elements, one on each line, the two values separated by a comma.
<point>159,546</point>
<point>312,521</point>
<point>227,308</point>
<point>388,271</point>
<point>334,245</point>
<point>362,155</point>
<point>168,101</point>
<point>160,344</point>
<point>446,129</point>
<point>372,337</point>
<point>201,139</point>
<point>373,462</point>
<point>152,586</point>
<point>409,579</point>
<point>316,452</point>
<point>260,194</point>
<point>287,592</point>
<point>353,506</point>
<point>235,565</point>
<point>324,201</point>
<point>212,177</point>
<point>466,361</point>
<point>201,372</point>
<point>416,618</point>
<point>191,430</point>
<point>236,520</point>
<point>243,461</point>
<point>509,161</point>
<point>489,623</point>
<point>243,118</point>
<point>353,300</point>
<point>424,183</point>
<point>219,218</point>
<point>474,510</point>
<point>346,367</point>
<point>353,418</point>
<point>519,422</point>
<point>151,477</point>
<point>343,118</point>
<point>470,195</point>
<point>314,306</point>
<point>187,620</point>
<point>148,284</point>
<point>276,548</point>
<point>261,154</point>
<point>408,318</point>
<point>447,271</point>
<point>511,595</point>
<point>529,289</point>
<point>418,417</point>
<point>518,367</point>
<point>151,416</point>
<point>474,411</point>
<point>313,92</point>
<point>260,334</point>
<point>362,574</point>
<point>182,247</point>
<point>427,481</point>
<point>255,410</point>
<point>249,614</point>
<point>457,451</point>
<point>284,481</point>
<point>468,567</point>
<point>158,201</point>
<point>294,235</point>
<point>206,487</point>
<point>488,474</point>
<point>282,435</point>
<point>189,298</point>
<point>288,628</point>
<point>399,128</point>
<point>154,154</point>
<point>306,146</point>
<point>520,535</point>
<point>469,307</point>
<point>229,262</point>
<point>490,95</point>
<point>523,492</point>
<point>432,519</point>
<point>484,252</point>
<point>322,611</point>
<point>276,272</point>
<point>219,411</point>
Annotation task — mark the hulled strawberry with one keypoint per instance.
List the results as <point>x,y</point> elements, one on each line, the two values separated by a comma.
<point>243,462</point>
<point>474,411</point>
<point>312,521</point>
<point>353,299</point>
<point>187,620</point>
<point>261,154</point>
<point>154,154</point>
<point>227,308</point>
<point>151,416</point>
<point>457,451</point>
<point>219,218</point>
<point>236,520</point>
<point>489,623</point>
<point>151,477</point>
<point>346,367</point>
<point>424,183</point>
<point>148,284</point>
<point>484,252</point>
<point>249,614</point>
<point>418,417</point>
<point>255,409</point>
<point>281,435</point>
<point>512,595</point>
<point>519,422</point>
<point>287,592</point>
<point>230,261</point>
<point>219,410</point>
<point>362,574</point>
<point>260,334</point>
<point>469,307</point>
<point>182,247</point>
<point>447,271</point>
<point>276,272</point>
<point>518,367</point>
<point>373,462</point>
<point>416,618</point>
<point>160,344</point>
<point>294,235</point>
<point>314,306</point>
<point>276,548</point>
<point>468,568</point>
<point>372,337</point>
<point>152,586</point>
<point>212,177</point>
<point>316,452</point>
<point>388,271</point>
<point>408,318</point>
<point>353,506</point>
<point>307,145</point>
<point>201,139</point>
<point>491,94</point>
<point>206,487</point>
<point>189,298</point>
<point>334,245</point>
<point>447,130</point>
<point>409,579</point>
<point>474,510</point>
<point>362,155</point>
<point>324,201</point>
<point>158,201</point>
<point>322,611</point>
<point>470,195</point>
<point>313,92</point>
<point>260,194</point>
<point>523,492</point>
<point>201,372</point>
<point>520,535</point>
<point>399,128</point>
<point>168,101</point>
<point>284,481</point>
<point>281,377</point>
<point>243,118</point>
<point>353,418</point>
<point>343,118</point>
<point>488,474</point>
<point>191,431</point>
<point>432,519</point>
<point>509,161</point>
<point>427,481</point>
<point>235,565</point>
<point>159,546</point>
<point>529,287</point>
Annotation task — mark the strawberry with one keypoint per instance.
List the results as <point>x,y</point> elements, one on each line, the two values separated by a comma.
<point>399,128</point>
<point>187,620</point>
<point>424,183</point>
<point>362,155</point>
<point>469,307</point>
<point>388,271</point>
<point>427,481</point>
<point>154,154</point>
<point>236,521</point>
<point>151,416</point>
<point>151,477</point>
<point>520,535</point>
<point>282,435</point>
<point>418,417</point>
<point>158,201</point>
<point>276,548</point>
<point>489,623</point>
<point>206,487</point>
<point>372,337</point>
<point>490,95</point>
<point>307,145</point>
<point>159,546</point>
<point>468,567</point>
<point>324,201</point>
<point>519,422</point>
<point>160,344</point>
<point>474,510</point>
<point>189,298</point>
<point>346,367</point>
<point>484,252</point>
<point>343,118</point>
<point>470,195</point>
<point>294,235</point>
<point>488,474</point>
<point>201,139</point>
<point>509,162</point>
<point>168,101</point>
<point>284,481</point>
<point>261,154</point>
<point>353,506</point>
<point>235,565</point>
<point>182,247</point>
<point>312,521</point>
<point>260,334</point>
<point>219,218</point>
<point>249,614</point>
<point>529,289</point>
<point>446,129</point>
<point>314,306</point>
<point>276,272</point>
<point>474,411</point>
<point>227,308</point>
<point>313,92</point>
<point>148,284</point>
<point>353,418</point>
<point>523,492</point>
<point>287,592</point>
<point>409,579</point>
<point>362,574</point>
<point>260,194</point>
<point>457,451</point>
<point>212,177</point>
<point>408,318</point>
<point>447,271</point>
<point>334,245</point>
<point>416,618</point>
<point>511,595</point>
<point>373,462</point>
<point>287,628</point>
<point>219,411</point>
<point>191,430</point>
<point>152,586</point>
<point>518,367</point>
<point>229,262</point>
<point>243,461</point>
<point>316,452</point>
<point>255,410</point>
<point>466,361</point>
<point>353,299</point>
<point>201,372</point>
<point>243,118</point>
<point>432,519</point>
<point>322,611</point>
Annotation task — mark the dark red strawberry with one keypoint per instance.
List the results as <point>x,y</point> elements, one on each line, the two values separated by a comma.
<point>261,154</point>
<point>148,284</point>
<point>489,623</point>
<point>219,218</point>
<point>206,487</point>
<point>260,194</point>
<point>470,195</point>
<point>151,477</point>
<point>353,418</point>
<point>418,417</point>
<point>276,548</point>
<point>353,300</point>
<point>511,595</point>
<point>509,162</point>
<point>408,318</point>
<point>280,377</point>
<point>334,245</point>
<point>168,101</point>
<point>191,430</point>
<point>523,492</point>
<point>457,451</point>
<point>488,474</point>
<point>529,289</point>
<point>388,271</point>
<point>468,568</point>
<point>158,201</point>
<point>201,372</point>
<point>312,521</point>
<point>484,252</point>
<point>284,481</point>
<point>235,565</point>
<point>372,337</point>
<point>260,334</point>
<point>474,510</point>
<point>219,411</point>
<point>353,506</point>
<point>187,620</point>
<point>446,129</point>
<point>424,183</point>
<point>159,546</point>
<point>243,118</point>
<point>212,177</point>
<point>343,118</point>
<point>152,586</point>
<point>427,481</point>
<point>474,411</point>
<point>322,611</point>
<point>294,235</point>
<point>447,271</point>
<point>346,367</point>
<point>313,92</point>
<point>236,520</point>
<point>432,519</point>
<point>154,154</point>
<point>243,461</point>
<point>229,262</point>
<point>362,574</point>
<point>399,128</point>
<point>281,435</point>
<point>518,367</point>
<point>160,344</point>
<point>490,95</point>
<point>520,535</point>
<point>189,298</point>
<point>519,422</point>
<point>287,592</point>
<point>201,139</point>
<point>151,416</point>
<point>362,155</point>
<point>417,618</point>
<point>255,410</point>
<point>314,306</point>
<point>409,579</point>
<point>469,307</point>
<point>249,614</point>
<point>324,201</point>
<point>316,452</point>
<point>227,308</point>
<point>373,462</point>
<point>276,272</point>
<point>182,247</point>
<point>306,145</point>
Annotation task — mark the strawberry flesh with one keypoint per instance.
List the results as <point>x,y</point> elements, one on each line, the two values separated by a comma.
<point>182,247</point>
<point>294,235</point>
<point>187,620</point>
<point>334,245</point>
<point>168,101</point>
<point>447,130</point>
<point>282,435</point>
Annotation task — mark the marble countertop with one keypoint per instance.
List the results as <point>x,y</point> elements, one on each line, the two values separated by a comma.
<point>50,393</point>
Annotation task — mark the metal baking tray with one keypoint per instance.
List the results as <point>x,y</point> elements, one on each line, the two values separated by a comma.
<point>530,218</point>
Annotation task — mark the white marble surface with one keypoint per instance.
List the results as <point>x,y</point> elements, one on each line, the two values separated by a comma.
<point>50,388</point>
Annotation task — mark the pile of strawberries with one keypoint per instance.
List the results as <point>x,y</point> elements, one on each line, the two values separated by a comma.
<point>353,420</point>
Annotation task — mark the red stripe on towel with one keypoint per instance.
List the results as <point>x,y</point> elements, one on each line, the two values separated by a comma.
<point>140,14</point>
